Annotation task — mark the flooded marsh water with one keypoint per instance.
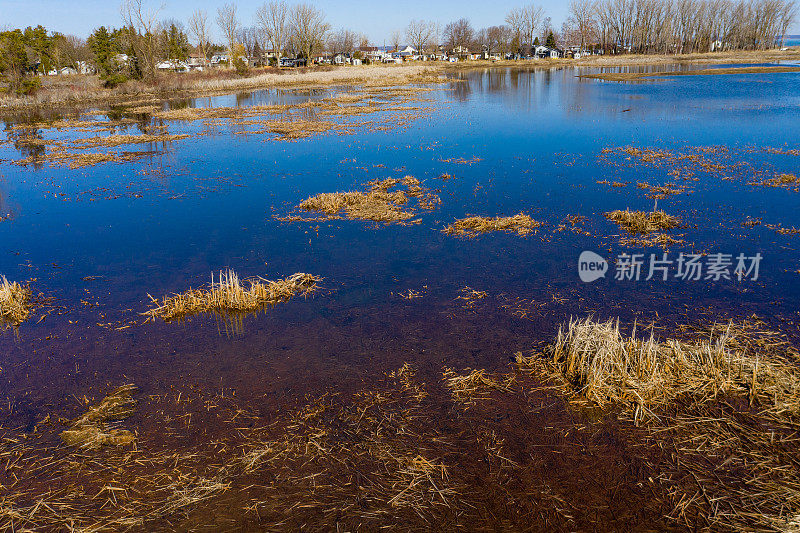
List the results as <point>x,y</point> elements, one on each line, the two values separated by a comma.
<point>98,236</point>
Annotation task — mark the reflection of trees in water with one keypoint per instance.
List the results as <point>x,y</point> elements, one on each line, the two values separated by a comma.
<point>561,90</point>
<point>27,140</point>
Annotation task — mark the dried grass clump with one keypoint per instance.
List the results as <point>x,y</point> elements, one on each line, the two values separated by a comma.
<point>520,224</point>
<point>723,404</point>
<point>92,431</point>
<point>297,129</point>
<point>642,222</point>
<point>606,367</point>
<point>782,180</point>
<point>15,302</point>
<point>120,140</point>
<point>229,295</point>
<point>473,386</point>
<point>383,201</point>
<point>59,156</point>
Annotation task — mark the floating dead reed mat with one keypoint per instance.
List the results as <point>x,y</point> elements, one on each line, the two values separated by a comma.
<point>387,201</point>
<point>520,224</point>
<point>645,228</point>
<point>642,222</point>
<point>15,303</point>
<point>783,180</point>
<point>120,140</point>
<point>229,295</point>
<point>724,406</point>
<point>92,429</point>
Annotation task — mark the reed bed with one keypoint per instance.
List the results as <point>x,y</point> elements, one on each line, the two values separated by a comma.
<point>228,295</point>
<point>724,405</point>
<point>783,180</point>
<point>92,429</point>
<point>643,222</point>
<point>386,201</point>
<point>640,76</point>
<point>121,140</point>
<point>470,227</point>
<point>15,302</point>
<point>60,156</point>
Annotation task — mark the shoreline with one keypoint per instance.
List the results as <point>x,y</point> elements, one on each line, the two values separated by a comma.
<point>172,86</point>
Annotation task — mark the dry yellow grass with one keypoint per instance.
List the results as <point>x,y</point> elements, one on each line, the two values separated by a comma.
<point>15,302</point>
<point>229,295</point>
<point>92,431</point>
<point>639,76</point>
<point>606,367</point>
<point>520,224</point>
<point>383,201</point>
<point>721,402</point>
<point>642,222</point>
<point>782,180</point>
<point>121,140</point>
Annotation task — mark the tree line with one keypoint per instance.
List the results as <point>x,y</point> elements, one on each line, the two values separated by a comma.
<point>301,30</point>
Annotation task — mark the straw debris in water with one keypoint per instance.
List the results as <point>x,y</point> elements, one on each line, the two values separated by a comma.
<point>92,431</point>
<point>472,386</point>
<point>520,224</point>
<point>229,295</point>
<point>15,302</point>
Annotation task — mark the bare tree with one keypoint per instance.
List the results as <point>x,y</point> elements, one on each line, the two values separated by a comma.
<point>343,42</point>
<point>397,40</point>
<point>200,30</point>
<point>515,21</point>
<point>582,19</point>
<point>308,29</point>
<point>229,26</point>
<point>421,34</point>
<point>531,20</point>
<point>459,36</point>
<point>272,18</point>
<point>143,23</point>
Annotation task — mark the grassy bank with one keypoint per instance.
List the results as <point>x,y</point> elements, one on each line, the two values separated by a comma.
<point>85,90</point>
<point>65,91</point>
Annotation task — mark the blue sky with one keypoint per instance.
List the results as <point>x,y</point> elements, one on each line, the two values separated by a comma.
<point>374,18</point>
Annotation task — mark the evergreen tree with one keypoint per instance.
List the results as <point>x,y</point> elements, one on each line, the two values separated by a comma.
<point>551,40</point>
<point>41,45</point>
<point>104,48</point>
<point>14,61</point>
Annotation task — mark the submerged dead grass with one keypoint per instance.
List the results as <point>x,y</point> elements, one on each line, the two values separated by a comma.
<point>521,224</point>
<point>472,386</point>
<point>386,201</point>
<point>92,431</point>
<point>228,295</point>
<point>15,302</point>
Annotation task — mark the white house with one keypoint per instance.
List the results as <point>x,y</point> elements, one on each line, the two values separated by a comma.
<point>173,64</point>
<point>544,52</point>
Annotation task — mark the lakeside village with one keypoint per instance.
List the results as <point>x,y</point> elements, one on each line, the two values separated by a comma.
<point>364,55</point>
